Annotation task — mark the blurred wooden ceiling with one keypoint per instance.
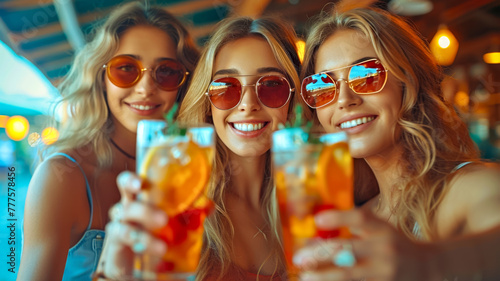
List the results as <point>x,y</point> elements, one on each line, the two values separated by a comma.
<point>38,29</point>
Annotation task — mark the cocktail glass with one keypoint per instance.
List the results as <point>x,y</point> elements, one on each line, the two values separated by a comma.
<point>176,165</point>
<point>313,172</point>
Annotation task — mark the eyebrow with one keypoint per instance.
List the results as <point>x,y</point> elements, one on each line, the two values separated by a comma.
<point>352,63</point>
<point>261,70</point>
<point>140,58</point>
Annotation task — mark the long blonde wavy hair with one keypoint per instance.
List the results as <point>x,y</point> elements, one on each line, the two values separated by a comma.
<point>219,229</point>
<point>87,117</point>
<point>434,138</point>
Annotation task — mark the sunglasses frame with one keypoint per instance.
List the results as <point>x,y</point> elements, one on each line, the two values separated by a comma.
<point>142,70</point>
<point>337,81</point>
<point>291,90</point>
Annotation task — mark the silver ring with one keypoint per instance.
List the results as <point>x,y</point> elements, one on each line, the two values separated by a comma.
<point>137,245</point>
<point>116,212</point>
<point>345,257</point>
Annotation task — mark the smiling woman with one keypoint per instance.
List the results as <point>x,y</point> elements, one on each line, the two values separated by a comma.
<point>135,68</point>
<point>245,85</point>
<point>437,212</point>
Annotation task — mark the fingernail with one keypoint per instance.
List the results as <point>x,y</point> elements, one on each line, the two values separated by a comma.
<point>160,218</point>
<point>159,247</point>
<point>306,276</point>
<point>136,184</point>
<point>319,219</point>
<point>298,258</point>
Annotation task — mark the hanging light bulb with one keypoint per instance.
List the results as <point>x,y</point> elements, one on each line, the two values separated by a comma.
<point>492,57</point>
<point>444,46</point>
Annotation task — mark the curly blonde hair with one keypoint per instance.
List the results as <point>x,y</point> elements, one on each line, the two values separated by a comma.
<point>219,229</point>
<point>83,100</point>
<point>433,137</point>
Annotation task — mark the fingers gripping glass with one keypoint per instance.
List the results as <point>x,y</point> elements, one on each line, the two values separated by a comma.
<point>272,91</point>
<point>125,71</point>
<point>367,77</point>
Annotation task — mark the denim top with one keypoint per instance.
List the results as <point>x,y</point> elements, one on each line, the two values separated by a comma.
<point>83,256</point>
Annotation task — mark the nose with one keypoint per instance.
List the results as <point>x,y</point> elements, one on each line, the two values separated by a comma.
<point>249,100</point>
<point>346,97</point>
<point>146,84</point>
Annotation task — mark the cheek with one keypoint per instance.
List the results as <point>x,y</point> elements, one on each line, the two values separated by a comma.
<point>324,117</point>
<point>280,116</point>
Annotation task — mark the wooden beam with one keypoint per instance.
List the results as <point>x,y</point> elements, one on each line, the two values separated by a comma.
<point>55,27</point>
<point>48,51</point>
<point>52,65</point>
<point>187,7</point>
<point>250,8</point>
<point>23,4</point>
<point>466,7</point>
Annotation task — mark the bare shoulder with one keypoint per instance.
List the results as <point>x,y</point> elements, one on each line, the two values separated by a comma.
<point>55,214</point>
<point>57,175</point>
<point>478,179</point>
<point>473,197</point>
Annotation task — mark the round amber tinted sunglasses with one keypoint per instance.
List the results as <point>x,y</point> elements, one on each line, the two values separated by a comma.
<point>125,71</point>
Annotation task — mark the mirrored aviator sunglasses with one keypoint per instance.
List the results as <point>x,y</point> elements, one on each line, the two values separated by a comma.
<point>125,71</point>
<point>366,77</point>
<point>272,91</point>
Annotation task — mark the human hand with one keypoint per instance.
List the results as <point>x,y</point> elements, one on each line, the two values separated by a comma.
<point>381,252</point>
<point>129,230</point>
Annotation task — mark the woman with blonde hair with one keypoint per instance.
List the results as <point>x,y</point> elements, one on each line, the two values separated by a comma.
<point>245,86</point>
<point>437,214</point>
<point>134,68</point>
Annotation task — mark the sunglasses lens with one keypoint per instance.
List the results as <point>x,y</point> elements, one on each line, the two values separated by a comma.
<point>123,71</point>
<point>169,75</point>
<point>318,90</point>
<point>225,92</point>
<point>273,91</point>
<point>367,77</point>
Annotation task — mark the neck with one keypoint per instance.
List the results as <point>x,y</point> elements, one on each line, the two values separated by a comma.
<point>387,170</point>
<point>247,178</point>
<point>124,140</point>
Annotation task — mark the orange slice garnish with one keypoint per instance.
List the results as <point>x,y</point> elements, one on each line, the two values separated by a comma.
<point>175,183</point>
<point>335,176</point>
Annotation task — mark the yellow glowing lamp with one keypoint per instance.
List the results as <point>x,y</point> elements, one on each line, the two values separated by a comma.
<point>17,127</point>
<point>50,135</point>
<point>444,46</point>
<point>492,57</point>
<point>301,49</point>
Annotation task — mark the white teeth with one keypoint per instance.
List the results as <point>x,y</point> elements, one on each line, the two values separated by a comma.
<point>142,107</point>
<point>248,127</point>
<point>356,122</point>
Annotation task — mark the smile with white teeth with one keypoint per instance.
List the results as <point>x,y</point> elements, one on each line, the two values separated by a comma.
<point>248,127</point>
<point>143,107</point>
<point>356,122</point>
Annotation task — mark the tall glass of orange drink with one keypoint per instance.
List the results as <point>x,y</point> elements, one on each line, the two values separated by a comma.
<point>176,166</point>
<point>313,172</point>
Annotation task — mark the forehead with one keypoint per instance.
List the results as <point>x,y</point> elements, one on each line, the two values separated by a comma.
<point>145,40</point>
<point>245,55</point>
<point>342,48</point>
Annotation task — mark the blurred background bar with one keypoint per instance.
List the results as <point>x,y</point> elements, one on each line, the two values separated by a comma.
<point>38,40</point>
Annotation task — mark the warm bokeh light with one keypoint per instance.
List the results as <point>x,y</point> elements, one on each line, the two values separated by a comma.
<point>50,135</point>
<point>17,127</point>
<point>3,120</point>
<point>444,42</point>
<point>444,46</point>
<point>492,58</point>
<point>462,99</point>
<point>301,48</point>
